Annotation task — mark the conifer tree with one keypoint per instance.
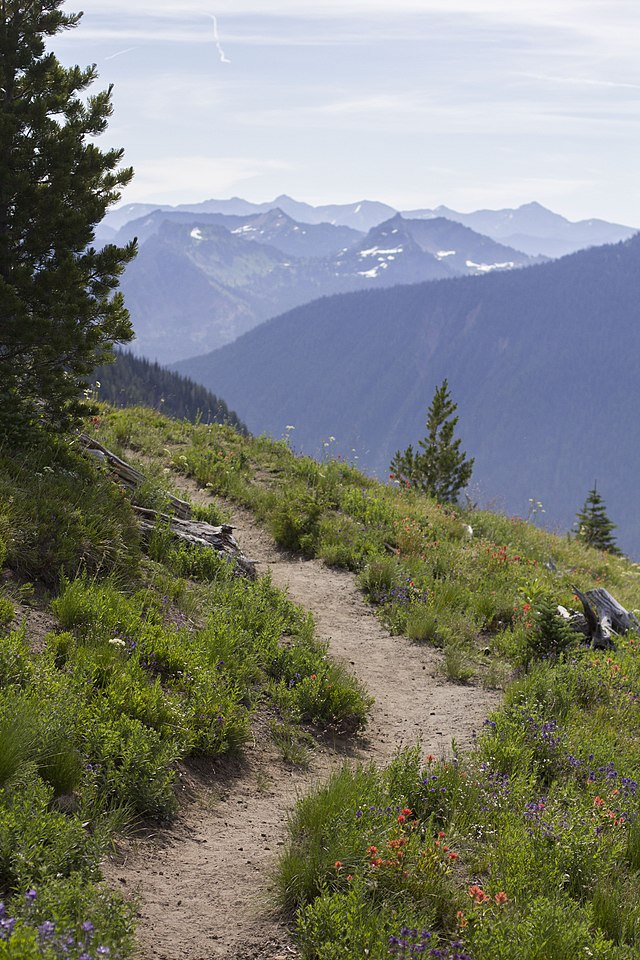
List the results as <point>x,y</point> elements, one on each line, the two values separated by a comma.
<point>440,468</point>
<point>59,309</point>
<point>593,526</point>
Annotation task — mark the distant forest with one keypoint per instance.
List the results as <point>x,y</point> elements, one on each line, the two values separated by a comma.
<point>135,381</point>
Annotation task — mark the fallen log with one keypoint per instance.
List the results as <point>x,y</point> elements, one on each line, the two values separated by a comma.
<point>199,533</point>
<point>179,522</point>
<point>128,476</point>
<point>605,617</point>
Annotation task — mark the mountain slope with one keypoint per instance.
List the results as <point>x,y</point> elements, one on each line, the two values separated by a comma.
<point>274,228</point>
<point>198,283</point>
<point>534,229</point>
<point>530,228</point>
<point>542,363</point>
<point>132,381</point>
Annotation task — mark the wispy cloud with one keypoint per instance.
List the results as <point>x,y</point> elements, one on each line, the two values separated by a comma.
<point>582,81</point>
<point>120,53</point>
<point>192,178</point>
<point>216,40</point>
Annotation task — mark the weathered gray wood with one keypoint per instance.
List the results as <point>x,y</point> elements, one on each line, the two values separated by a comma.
<point>179,522</point>
<point>605,617</point>
<point>607,605</point>
<point>199,533</point>
<point>128,476</point>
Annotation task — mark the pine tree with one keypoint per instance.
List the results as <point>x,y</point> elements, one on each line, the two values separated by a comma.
<point>440,468</point>
<point>593,526</point>
<point>59,312</point>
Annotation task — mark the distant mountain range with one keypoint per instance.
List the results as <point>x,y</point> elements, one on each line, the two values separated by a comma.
<point>201,280</point>
<point>531,228</point>
<point>542,363</point>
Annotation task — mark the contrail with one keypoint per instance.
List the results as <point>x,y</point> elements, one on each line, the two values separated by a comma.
<point>223,58</point>
<point>120,53</point>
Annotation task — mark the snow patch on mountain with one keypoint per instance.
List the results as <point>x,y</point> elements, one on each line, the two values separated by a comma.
<point>383,253</point>
<point>488,267</point>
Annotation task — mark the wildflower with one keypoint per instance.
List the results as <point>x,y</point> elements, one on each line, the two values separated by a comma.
<point>401,818</point>
<point>501,897</point>
<point>441,835</point>
<point>372,850</point>
<point>598,802</point>
<point>338,864</point>
<point>462,920</point>
<point>117,642</point>
<point>478,894</point>
<point>453,855</point>
<point>407,811</point>
<point>349,877</point>
<point>430,758</point>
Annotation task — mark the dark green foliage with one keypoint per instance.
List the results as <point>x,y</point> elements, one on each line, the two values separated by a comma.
<point>132,381</point>
<point>296,523</point>
<point>550,636</point>
<point>593,525</point>
<point>58,312</point>
<point>61,516</point>
<point>440,468</point>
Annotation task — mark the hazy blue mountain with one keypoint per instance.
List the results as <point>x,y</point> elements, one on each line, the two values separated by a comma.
<point>542,363</point>
<point>196,284</point>
<point>359,216</point>
<point>530,228</point>
<point>299,239</point>
<point>534,229</point>
<point>463,250</point>
<point>193,288</point>
<point>274,227</point>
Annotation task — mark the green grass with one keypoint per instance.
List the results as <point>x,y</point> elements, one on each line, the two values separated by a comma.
<point>542,815</point>
<point>158,652</point>
<point>526,847</point>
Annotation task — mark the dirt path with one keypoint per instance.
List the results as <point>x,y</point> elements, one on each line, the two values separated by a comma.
<point>203,883</point>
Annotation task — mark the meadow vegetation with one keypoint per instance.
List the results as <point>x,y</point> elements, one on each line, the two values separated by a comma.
<point>527,846</point>
<point>155,652</point>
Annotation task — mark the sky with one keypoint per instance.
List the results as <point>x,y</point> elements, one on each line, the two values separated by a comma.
<point>468,103</point>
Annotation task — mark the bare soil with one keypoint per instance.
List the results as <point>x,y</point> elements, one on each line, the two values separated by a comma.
<point>204,882</point>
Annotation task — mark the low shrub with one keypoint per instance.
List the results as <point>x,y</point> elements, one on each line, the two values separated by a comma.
<point>61,516</point>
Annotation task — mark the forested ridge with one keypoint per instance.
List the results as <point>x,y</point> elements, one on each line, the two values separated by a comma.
<point>136,381</point>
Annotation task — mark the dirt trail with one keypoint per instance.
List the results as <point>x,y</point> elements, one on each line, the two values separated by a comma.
<point>203,883</point>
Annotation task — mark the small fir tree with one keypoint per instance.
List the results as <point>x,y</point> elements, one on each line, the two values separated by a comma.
<point>440,468</point>
<point>593,526</point>
<point>59,314</point>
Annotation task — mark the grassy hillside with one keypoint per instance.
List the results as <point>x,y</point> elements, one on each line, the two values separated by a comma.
<point>519,349</point>
<point>112,669</point>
